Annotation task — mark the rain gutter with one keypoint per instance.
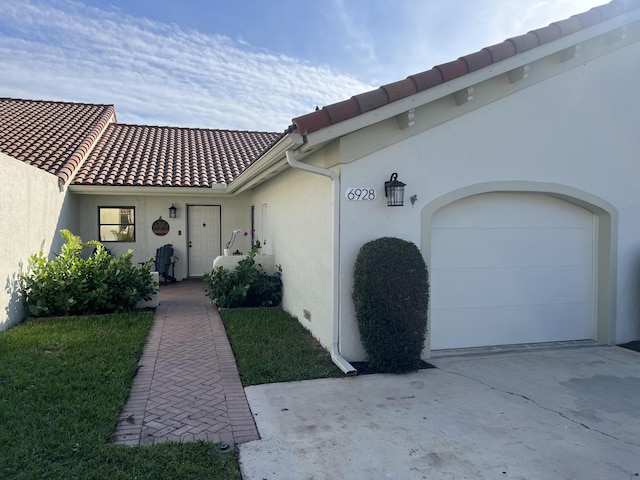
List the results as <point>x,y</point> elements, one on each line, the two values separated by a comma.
<point>337,358</point>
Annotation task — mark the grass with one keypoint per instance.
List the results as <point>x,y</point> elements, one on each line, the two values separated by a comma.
<point>271,346</point>
<point>63,383</point>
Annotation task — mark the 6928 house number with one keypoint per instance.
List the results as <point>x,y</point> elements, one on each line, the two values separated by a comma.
<point>355,193</point>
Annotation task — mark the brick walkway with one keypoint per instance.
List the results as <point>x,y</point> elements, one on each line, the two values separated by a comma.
<point>187,387</point>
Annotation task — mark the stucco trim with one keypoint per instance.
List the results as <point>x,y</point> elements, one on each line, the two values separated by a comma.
<point>606,237</point>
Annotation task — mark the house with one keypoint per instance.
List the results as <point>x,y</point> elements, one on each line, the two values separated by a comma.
<point>522,191</point>
<point>112,182</point>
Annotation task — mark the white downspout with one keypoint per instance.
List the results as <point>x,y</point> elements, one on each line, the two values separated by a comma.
<point>337,358</point>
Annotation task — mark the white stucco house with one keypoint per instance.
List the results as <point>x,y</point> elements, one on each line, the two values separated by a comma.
<point>522,170</point>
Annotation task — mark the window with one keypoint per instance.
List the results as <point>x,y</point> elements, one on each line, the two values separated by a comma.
<point>117,224</point>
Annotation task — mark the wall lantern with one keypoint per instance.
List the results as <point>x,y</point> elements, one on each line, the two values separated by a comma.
<point>172,211</point>
<point>394,191</point>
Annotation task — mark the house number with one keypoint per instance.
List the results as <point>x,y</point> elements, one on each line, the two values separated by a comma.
<point>354,193</point>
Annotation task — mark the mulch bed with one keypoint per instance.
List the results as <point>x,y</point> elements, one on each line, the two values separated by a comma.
<point>364,368</point>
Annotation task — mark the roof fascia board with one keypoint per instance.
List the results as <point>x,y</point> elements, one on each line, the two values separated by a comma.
<point>419,99</point>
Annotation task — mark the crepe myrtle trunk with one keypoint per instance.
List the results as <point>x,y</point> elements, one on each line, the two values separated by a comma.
<point>391,296</point>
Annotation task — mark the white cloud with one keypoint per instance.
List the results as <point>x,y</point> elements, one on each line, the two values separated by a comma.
<point>156,73</point>
<point>438,31</point>
<point>359,40</point>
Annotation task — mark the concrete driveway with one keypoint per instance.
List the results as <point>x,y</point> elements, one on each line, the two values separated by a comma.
<point>551,414</point>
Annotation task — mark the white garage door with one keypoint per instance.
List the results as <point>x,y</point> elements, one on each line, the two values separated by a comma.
<point>511,268</point>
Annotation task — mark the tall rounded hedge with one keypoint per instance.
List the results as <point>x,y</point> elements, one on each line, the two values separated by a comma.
<point>391,296</point>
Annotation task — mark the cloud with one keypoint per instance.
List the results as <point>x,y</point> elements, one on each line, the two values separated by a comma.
<point>359,40</point>
<point>159,73</point>
<point>156,73</point>
<point>423,34</point>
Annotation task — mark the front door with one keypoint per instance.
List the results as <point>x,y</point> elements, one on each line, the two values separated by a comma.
<point>204,238</point>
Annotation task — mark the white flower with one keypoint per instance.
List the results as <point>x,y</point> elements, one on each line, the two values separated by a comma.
<point>233,238</point>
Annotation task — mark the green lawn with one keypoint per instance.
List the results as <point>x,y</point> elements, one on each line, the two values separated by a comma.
<point>63,383</point>
<point>271,346</point>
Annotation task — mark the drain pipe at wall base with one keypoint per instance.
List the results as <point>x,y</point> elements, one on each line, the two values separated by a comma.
<point>337,358</point>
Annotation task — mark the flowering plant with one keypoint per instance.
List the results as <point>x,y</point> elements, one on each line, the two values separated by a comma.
<point>233,238</point>
<point>255,244</point>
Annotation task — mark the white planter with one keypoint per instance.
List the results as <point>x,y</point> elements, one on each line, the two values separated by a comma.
<point>230,263</point>
<point>227,252</point>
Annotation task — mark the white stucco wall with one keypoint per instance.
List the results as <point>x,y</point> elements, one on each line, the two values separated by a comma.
<point>235,213</point>
<point>301,232</point>
<point>578,129</point>
<point>33,213</point>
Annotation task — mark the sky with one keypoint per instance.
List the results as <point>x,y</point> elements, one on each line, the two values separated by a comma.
<point>242,64</point>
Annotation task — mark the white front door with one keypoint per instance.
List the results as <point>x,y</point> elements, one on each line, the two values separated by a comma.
<point>511,268</point>
<point>204,238</point>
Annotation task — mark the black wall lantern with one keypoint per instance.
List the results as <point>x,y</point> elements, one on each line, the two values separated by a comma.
<point>172,211</point>
<point>394,191</point>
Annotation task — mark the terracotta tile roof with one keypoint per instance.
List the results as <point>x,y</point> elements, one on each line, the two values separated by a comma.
<point>53,136</point>
<point>359,104</point>
<point>147,156</point>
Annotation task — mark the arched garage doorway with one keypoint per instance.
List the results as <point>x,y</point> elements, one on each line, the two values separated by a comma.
<point>518,266</point>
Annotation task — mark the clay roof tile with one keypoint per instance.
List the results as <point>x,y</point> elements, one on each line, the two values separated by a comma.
<point>501,51</point>
<point>547,34</point>
<point>427,79</point>
<point>611,9</point>
<point>312,121</point>
<point>341,111</point>
<point>401,89</point>
<point>451,70</point>
<point>589,18</point>
<point>53,136</point>
<point>448,71</point>
<point>568,26</point>
<point>476,61</point>
<point>171,157</point>
<point>525,42</point>
<point>371,100</point>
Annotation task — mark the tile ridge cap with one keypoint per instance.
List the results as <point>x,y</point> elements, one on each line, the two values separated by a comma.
<point>74,162</point>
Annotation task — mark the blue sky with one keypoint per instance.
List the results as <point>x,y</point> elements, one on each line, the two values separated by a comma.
<point>242,64</point>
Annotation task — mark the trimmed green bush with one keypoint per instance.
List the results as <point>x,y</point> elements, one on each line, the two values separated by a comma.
<point>72,285</point>
<point>246,286</point>
<point>391,296</point>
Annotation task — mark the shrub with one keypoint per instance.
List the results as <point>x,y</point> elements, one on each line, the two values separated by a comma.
<point>391,295</point>
<point>246,286</point>
<point>72,285</point>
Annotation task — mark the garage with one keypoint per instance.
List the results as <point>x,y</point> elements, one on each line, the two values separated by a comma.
<point>509,268</point>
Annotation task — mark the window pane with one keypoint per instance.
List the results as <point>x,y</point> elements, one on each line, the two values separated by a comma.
<point>126,216</point>
<point>110,215</point>
<point>116,224</point>
<point>108,233</point>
